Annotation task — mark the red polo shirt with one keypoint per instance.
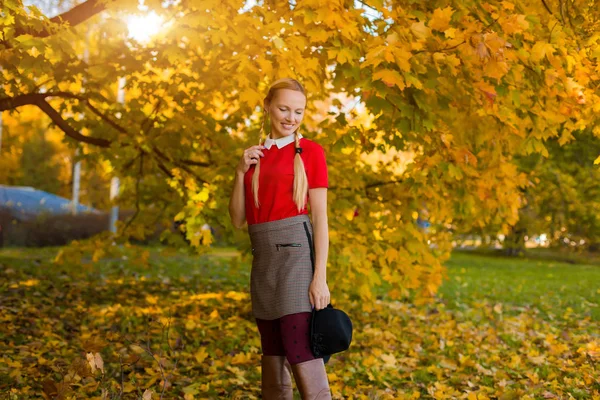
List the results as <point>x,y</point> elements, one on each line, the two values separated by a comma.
<point>276,181</point>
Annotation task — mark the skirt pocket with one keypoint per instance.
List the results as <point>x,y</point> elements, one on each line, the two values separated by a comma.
<point>279,245</point>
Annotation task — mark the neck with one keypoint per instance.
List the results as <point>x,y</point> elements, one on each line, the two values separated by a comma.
<point>277,137</point>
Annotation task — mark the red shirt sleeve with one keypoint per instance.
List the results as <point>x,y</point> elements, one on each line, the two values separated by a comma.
<point>317,171</point>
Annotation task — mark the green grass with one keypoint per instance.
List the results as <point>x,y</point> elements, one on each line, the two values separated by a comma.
<point>554,288</point>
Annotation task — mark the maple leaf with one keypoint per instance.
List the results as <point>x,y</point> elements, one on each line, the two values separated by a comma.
<point>441,19</point>
<point>390,78</point>
<point>420,30</point>
<point>540,50</point>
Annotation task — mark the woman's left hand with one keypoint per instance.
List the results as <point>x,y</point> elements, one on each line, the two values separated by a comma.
<point>318,293</point>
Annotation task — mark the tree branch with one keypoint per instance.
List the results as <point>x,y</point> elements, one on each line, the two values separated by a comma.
<point>73,17</point>
<point>546,7</point>
<point>177,163</point>
<point>196,163</point>
<point>104,117</point>
<point>66,128</point>
<point>39,99</point>
<point>376,184</point>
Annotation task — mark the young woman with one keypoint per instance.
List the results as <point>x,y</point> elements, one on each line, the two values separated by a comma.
<point>273,184</point>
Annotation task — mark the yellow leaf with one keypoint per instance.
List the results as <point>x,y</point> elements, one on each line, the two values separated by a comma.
<point>508,5</point>
<point>541,50</point>
<point>420,30</point>
<point>597,160</point>
<point>441,19</point>
<point>318,35</point>
<point>251,97</point>
<point>238,296</point>
<point>496,68</point>
<point>365,291</point>
<point>279,44</point>
<point>373,57</point>
<point>392,38</point>
<point>344,55</point>
<point>242,358</point>
<point>389,360</point>
<point>391,254</point>
<point>453,62</point>
<point>190,324</point>
<point>147,394</point>
<point>92,361</point>
<point>390,78</point>
<point>402,56</point>
<point>450,33</point>
<point>201,355</point>
<point>99,362</point>
<point>349,214</point>
<point>128,387</point>
<point>214,314</point>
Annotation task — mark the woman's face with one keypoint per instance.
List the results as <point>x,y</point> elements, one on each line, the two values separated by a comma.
<point>286,111</point>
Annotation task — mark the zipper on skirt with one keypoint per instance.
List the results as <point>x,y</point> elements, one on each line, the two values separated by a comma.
<point>310,246</point>
<point>279,245</point>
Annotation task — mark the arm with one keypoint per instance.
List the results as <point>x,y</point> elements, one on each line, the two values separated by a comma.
<point>237,203</point>
<point>318,208</point>
<point>318,291</point>
<point>237,210</point>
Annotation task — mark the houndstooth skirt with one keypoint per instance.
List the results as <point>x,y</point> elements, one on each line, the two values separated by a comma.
<point>282,266</point>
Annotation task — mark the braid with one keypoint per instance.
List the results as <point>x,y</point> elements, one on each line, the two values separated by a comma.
<point>300,178</point>
<point>257,167</point>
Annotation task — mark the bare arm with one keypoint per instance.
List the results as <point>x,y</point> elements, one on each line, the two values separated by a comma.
<point>237,205</point>
<point>237,210</point>
<point>318,291</point>
<point>318,208</point>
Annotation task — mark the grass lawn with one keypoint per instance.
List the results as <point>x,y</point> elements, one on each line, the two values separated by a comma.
<point>498,328</point>
<point>553,288</point>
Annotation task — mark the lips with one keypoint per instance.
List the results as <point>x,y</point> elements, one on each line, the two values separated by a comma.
<point>287,126</point>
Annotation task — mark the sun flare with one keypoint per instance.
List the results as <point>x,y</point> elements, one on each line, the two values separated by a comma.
<point>143,27</point>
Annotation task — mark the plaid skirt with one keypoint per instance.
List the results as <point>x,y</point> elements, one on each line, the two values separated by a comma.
<point>282,266</point>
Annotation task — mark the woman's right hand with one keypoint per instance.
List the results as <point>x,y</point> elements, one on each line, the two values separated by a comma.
<point>250,157</point>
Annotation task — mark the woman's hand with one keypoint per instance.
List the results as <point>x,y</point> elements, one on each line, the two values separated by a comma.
<point>318,293</point>
<point>249,157</point>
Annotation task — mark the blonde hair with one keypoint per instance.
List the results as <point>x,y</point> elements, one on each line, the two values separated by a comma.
<point>300,178</point>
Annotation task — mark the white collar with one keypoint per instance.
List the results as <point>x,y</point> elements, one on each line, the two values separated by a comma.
<point>284,141</point>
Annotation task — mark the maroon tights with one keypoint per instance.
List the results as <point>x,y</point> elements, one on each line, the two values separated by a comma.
<point>287,336</point>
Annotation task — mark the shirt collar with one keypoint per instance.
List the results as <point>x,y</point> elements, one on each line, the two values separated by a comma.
<point>284,141</point>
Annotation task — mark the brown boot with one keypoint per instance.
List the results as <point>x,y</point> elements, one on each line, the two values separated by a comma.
<point>276,378</point>
<point>311,380</point>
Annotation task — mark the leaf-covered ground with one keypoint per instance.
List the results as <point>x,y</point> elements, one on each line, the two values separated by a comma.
<point>124,328</point>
